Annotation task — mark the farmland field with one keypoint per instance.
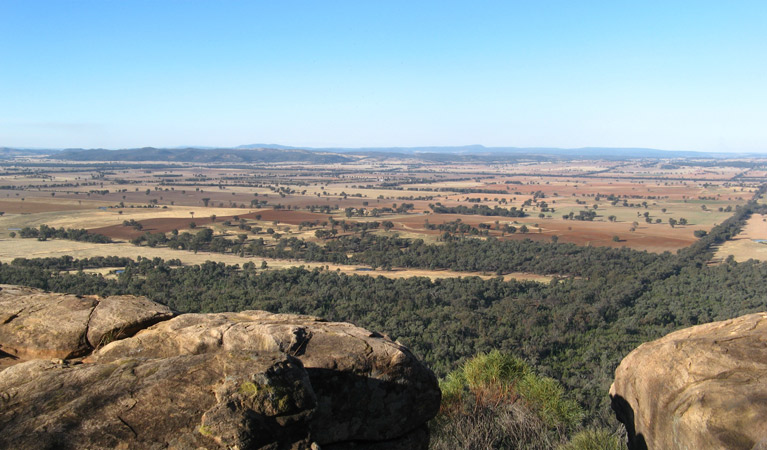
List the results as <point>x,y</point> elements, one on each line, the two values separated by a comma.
<point>751,243</point>
<point>654,206</point>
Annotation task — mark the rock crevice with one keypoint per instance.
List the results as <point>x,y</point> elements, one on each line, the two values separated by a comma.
<point>37,324</point>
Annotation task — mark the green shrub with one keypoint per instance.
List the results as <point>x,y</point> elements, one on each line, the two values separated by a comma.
<point>494,370</point>
<point>594,439</point>
<point>547,397</point>
<point>496,401</point>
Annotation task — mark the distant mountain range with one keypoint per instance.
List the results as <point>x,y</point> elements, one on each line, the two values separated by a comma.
<point>583,152</point>
<point>8,152</point>
<point>224,155</point>
<point>266,153</point>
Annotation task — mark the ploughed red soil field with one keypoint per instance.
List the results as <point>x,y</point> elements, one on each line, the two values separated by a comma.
<point>289,217</point>
<point>160,225</point>
<point>168,224</point>
<point>654,238</point>
<point>32,206</point>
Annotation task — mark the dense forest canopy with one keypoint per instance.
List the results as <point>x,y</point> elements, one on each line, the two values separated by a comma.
<point>456,253</point>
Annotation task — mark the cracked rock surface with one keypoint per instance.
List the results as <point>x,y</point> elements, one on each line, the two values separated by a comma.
<point>38,324</point>
<point>698,388</point>
<point>192,401</point>
<point>367,387</point>
<point>231,380</point>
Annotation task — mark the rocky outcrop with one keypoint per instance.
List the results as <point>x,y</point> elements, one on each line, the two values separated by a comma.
<point>367,387</point>
<point>191,401</point>
<point>36,324</point>
<point>231,380</point>
<point>698,388</point>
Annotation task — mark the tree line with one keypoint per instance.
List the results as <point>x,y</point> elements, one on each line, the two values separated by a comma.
<point>44,232</point>
<point>482,210</point>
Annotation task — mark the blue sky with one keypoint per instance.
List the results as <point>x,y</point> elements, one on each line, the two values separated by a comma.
<point>116,74</point>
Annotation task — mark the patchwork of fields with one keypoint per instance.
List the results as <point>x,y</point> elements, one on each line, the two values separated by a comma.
<point>655,207</point>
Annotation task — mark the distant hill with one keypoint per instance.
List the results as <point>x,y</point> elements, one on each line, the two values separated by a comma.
<point>8,152</point>
<point>203,155</point>
<point>270,153</point>
<point>511,152</point>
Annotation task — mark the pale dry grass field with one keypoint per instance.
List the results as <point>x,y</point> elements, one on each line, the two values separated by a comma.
<point>11,249</point>
<point>744,246</point>
<point>93,217</point>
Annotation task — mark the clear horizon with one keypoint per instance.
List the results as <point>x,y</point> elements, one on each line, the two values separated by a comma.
<point>313,148</point>
<point>687,76</point>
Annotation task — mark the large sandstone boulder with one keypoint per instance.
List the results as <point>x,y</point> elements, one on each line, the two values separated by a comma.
<point>698,388</point>
<point>231,380</point>
<point>368,388</point>
<point>38,324</point>
<point>224,400</point>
